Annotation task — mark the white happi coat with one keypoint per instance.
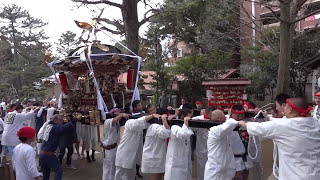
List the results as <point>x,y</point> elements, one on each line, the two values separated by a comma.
<point>12,123</point>
<point>178,159</point>
<point>154,149</point>
<point>201,151</point>
<point>111,135</point>
<point>24,162</point>
<point>220,164</point>
<point>315,113</point>
<point>298,143</point>
<point>129,151</point>
<point>239,149</point>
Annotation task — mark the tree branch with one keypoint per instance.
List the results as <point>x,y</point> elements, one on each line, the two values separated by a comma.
<point>112,31</point>
<point>274,13</point>
<point>100,2</point>
<point>305,16</point>
<point>146,19</point>
<point>115,23</point>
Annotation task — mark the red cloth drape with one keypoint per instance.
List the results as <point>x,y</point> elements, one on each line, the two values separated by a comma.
<point>130,78</point>
<point>63,82</point>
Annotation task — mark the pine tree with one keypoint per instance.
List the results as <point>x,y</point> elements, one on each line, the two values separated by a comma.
<point>26,37</point>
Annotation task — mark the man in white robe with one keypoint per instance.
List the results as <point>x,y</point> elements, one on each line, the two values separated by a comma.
<point>297,139</point>
<point>220,164</point>
<point>178,159</point>
<point>201,150</point>
<point>129,151</point>
<point>90,139</point>
<point>316,110</point>
<point>239,144</point>
<point>155,147</point>
<point>12,123</point>
<point>111,136</point>
<point>24,162</point>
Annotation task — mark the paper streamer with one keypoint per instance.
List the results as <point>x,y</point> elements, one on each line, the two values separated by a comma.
<point>113,101</point>
<point>60,101</point>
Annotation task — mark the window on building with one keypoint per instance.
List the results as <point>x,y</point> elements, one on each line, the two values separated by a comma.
<point>179,53</point>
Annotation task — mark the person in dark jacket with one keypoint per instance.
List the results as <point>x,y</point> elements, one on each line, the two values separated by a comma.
<point>47,159</point>
<point>67,139</point>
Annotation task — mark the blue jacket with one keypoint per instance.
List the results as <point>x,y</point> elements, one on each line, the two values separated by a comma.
<point>53,141</point>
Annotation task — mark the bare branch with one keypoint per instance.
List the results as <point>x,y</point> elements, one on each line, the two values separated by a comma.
<point>115,23</point>
<point>112,31</point>
<point>99,2</point>
<point>100,14</point>
<point>146,19</point>
<point>145,3</point>
<point>263,3</point>
<point>274,13</point>
<point>305,16</point>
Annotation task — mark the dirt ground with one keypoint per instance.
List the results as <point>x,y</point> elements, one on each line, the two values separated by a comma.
<point>93,170</point>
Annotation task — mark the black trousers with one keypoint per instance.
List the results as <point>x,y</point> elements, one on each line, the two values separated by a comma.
<point>69,154</point>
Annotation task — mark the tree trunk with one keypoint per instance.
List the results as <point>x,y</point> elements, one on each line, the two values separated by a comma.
<point>131,24</point>
<point>18,83</point>
<point>286,43</point>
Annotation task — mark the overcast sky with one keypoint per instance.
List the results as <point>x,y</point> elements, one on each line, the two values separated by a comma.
<point>60,15</point>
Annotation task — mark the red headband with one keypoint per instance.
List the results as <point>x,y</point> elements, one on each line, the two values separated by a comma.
<point>199,102</point>
<point>317,94</point>
<point>205,116</point>
<point>237,112</point>
<point>249,105</point>
<point>303,112</point>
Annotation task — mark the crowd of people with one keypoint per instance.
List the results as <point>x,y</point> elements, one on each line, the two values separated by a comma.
<point>229,151</point>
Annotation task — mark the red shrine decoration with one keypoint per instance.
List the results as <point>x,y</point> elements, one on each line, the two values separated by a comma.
<point>63,82</point>
<point>130,78</point>
<point>227,92</point>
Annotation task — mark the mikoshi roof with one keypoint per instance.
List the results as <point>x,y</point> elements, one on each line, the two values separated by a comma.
<point>105,58</point>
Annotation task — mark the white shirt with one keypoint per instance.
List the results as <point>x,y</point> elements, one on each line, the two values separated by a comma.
<point>239,149</point>
<point>298,142</point>
<point>155,149</point>
<point>1,127</point>
<point>315,113</point>
<point>24,162</point>
<point>201,142</point>
<point>111,133</point>
<point>220,164</point>
<point>50,113</point>
<point>129,151</point>
<point>12,123</point>
<point>201,150</point>
<point>3,105</point>
<point>178,159</point>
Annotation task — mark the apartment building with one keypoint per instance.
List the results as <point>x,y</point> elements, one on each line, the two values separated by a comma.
<point>253,17</point>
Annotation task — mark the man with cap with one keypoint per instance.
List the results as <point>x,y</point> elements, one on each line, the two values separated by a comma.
<point>316,110</point>
<point>296,138</point>
<point>24,161</point>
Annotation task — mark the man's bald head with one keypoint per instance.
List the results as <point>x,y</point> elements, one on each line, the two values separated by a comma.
<point>218,115</point>
<point>298,102</point>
